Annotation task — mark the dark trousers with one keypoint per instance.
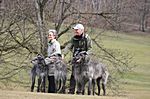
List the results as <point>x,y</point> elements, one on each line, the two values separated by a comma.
<point>51,85</point>
<point>72,84</point>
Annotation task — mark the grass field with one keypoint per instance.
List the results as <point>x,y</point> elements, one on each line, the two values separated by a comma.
<point>138,80</point>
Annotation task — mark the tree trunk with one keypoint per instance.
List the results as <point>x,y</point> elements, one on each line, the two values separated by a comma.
<point>144,13</point>
<point>40,25</point>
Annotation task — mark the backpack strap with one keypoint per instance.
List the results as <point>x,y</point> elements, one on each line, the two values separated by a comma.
<point>85,37</point>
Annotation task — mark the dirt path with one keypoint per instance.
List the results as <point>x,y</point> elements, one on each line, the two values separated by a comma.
<point>28,95</point>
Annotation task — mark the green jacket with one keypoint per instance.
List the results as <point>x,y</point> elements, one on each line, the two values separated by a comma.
<point>82,43</point>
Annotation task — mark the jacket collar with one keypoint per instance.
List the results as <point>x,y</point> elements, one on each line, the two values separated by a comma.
<point>52,41</point>
<point>79,37</point>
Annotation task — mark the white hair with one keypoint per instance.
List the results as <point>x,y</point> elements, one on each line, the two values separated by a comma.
<point>53,31</point>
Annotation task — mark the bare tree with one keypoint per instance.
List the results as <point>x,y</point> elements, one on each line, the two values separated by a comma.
<point>39,5</point>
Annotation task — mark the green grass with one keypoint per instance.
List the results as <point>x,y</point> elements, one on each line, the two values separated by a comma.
<point>136,44</point>
<point>139,47</point>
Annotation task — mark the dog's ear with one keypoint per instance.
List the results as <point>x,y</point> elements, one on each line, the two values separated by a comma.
<point>38,54</point>
<point>34,61</point>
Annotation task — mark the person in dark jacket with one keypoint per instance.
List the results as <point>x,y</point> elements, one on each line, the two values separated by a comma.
<point>79,42</point>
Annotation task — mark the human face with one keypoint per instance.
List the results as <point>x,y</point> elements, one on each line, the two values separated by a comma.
<point>51,36</point>
<point>78,32</point>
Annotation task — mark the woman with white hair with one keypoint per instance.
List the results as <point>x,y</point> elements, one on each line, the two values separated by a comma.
<point>54,51</point>
<point>53,44</point>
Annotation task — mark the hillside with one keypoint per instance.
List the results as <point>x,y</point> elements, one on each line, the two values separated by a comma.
<point>137,81</point>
